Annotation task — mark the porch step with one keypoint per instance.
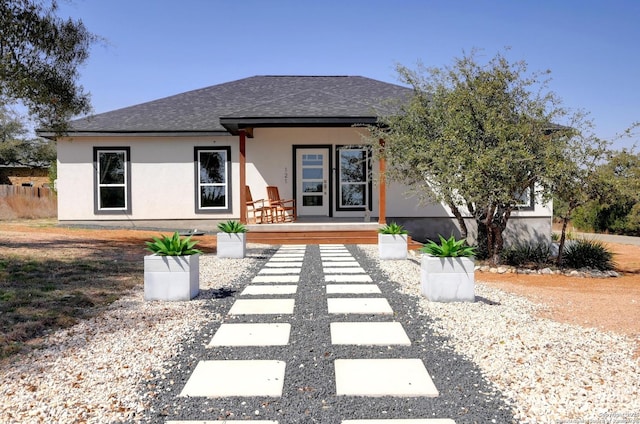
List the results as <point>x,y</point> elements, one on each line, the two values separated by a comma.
<point>319,237</point>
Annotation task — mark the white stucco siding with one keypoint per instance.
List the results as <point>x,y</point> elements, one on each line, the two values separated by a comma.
<point>162,180</point>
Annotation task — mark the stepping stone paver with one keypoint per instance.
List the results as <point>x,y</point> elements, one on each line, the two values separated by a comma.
<point>353,289</point>
<point>344,270</point>
<point>275,290</point>
<point>368,333</point>
<point>359,306</point>
<point>383,377</point>
<point>262,306</point>
<point>401,421</point>
<point>236,378</point>
<point>279,271</point>
<point>285,264</point>
<point>338,259</point>
<point>222,422</point>
<point>276,279</point>
<point>286,259</point>
<point>354,278</point>
<point>262,334</point>
<point>340,263</point>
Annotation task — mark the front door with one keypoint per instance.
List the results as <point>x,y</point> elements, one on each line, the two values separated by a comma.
<point>312,181</point>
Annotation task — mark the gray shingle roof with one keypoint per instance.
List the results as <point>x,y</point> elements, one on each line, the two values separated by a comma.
<point>268,100</point>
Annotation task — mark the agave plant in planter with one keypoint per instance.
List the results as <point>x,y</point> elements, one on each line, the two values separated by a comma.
<point>392,241</point>
<point>232,240</point>
<point>173,271</point>
<point>447,271</point>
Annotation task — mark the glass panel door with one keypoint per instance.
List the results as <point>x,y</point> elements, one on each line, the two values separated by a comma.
<point>312,176</point>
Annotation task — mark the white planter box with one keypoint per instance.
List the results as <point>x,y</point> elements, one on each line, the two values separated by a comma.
<point>232,245</point>
<point>448,279</point>
<point>171,277</point>
<point>392,246</point>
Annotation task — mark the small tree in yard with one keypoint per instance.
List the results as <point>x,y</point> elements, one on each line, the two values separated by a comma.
<point>477,138</point>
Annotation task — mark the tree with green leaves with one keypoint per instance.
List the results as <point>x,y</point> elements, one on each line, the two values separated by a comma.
<point>17,148</point>
<point>40,54</point>
<point>477,137</point>
<point>576,179</point>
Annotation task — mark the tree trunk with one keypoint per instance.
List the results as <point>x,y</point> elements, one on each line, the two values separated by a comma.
<point>464,232</point>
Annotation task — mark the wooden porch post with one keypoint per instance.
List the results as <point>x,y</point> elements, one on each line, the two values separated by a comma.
<point>243,177</point>
<point>382,188</point>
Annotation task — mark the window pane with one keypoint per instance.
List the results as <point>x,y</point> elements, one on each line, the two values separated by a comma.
<point>353,194</point>
<point>312,187</point>
<point>212,197</point>
<point>353,165</point>
<point>112,198</point>
<point>312,200</point>
<point>312,173</point>
<point>111,167</point>
<point>212,167</point>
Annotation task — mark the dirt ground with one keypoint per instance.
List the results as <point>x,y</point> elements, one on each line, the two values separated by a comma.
<point>611,304</point>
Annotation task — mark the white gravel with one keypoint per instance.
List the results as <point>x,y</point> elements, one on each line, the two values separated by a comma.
<point>92,372</point>
<point>552,372</point>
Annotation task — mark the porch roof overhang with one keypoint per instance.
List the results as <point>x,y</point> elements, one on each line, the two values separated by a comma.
<point>235,124</point>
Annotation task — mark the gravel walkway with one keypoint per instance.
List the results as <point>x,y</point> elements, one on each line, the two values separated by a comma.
<point>492,361</point>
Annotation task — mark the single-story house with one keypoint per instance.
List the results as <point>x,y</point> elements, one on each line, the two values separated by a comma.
<point>188,158</point>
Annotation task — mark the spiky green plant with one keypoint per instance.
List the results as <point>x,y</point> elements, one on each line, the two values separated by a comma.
<point>588,254</point>
<point>448,248</point>
<point>392,228</point>
<point>232,227</point>
<point>172,246</point>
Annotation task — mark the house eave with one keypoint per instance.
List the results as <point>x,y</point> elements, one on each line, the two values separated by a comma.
<point>53,135</point>
<point>234,124</point>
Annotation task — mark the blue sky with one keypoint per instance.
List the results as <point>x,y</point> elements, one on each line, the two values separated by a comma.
<point>156,48</point>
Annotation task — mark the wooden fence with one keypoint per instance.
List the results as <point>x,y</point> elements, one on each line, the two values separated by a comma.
<point>12,190</point>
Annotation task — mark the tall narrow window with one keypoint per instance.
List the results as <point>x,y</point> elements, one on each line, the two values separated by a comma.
<point>213,188</point>
<point>353,182</point>
<point>112,179</point>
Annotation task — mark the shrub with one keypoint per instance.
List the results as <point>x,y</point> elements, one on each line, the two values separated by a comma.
<point>392,228</point>
<point>449,248</point>
<point>588,254</point>
<point>536,254</point>
<point>232,227</point>
<point>172,246</point>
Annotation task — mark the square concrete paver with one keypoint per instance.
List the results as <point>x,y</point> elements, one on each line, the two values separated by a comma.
<point>353,278</point>
<point>383,377</point>
<point>377,305</point>
<point>368,333</point>
<point>340,263</point>
<point>236,378</point>
<point>353,289</point>
<point>269,289</point>
<point>262,306</point>
<point>251,335</point>
<point>276,279</point>
<point>276,259</point>
<point>338,259</point>
<point>279,271</point>
<point>344,270</point>
<point>401,421</point>
<point>285,264</point>
<point>222,422</point>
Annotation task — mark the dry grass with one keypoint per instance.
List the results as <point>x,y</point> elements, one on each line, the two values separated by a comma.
<point>51,281</point>
<point>28,207</point>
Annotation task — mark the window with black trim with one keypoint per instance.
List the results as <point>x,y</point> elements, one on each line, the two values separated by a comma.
<point>213,187</point>
<point>112,179</point>
<point>526,199</point>
<point>354,182</point>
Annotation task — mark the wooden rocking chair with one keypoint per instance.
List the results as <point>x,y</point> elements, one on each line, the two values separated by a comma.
<point>261,212</point>
<point>285,209</point>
